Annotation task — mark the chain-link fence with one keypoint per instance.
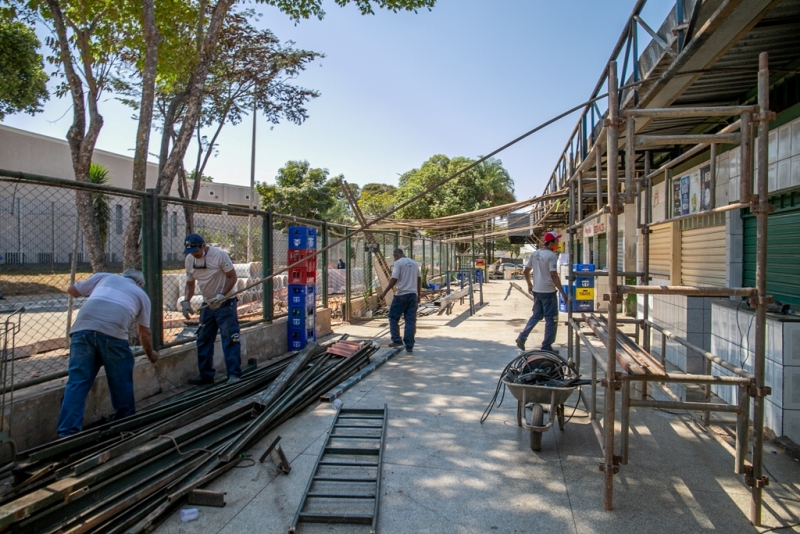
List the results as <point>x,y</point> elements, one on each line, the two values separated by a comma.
<point>45,246</point>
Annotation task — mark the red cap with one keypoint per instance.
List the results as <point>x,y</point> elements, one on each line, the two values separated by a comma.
<point>551,236</point>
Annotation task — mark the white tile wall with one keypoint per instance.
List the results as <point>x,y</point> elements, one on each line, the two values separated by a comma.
<point>791,385</point>
<point>784,173</point>
<point>773,417</point>
<point>791,343</point>
<point>795,137</point>
<point>791,425</point>
<point>784,141</point>
<point>773,146</point>
<point>794,179</point>
<point>772,176</point>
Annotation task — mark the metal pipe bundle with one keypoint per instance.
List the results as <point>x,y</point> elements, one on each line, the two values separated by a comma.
<point>126,476</point>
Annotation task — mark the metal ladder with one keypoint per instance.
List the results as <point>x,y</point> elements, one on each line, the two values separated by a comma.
<point>346,482</point>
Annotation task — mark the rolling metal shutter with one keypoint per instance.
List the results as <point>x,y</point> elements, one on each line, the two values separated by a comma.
<point>783,249</point>
<point>703,256</point>
<point>602,252</point>
<point>661,250</point>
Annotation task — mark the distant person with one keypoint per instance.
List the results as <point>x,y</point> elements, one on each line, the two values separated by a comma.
<point>213,268</point>
<point>406,276</point>
<point>340,265</point>
<point>546,282</point>
<point>99,337</point>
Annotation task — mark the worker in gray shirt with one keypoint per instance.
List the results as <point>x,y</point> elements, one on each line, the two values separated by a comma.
<point>99,337</point>
<point>543,263</point>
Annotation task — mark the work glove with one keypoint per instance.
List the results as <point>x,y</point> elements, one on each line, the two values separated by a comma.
<point>186,308</point>
<point>217,301</point>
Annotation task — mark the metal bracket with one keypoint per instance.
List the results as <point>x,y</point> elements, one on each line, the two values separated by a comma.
<point>610,122</point>
<point>613,468</point>
<point>572,230</point>
<point>757,209</point>
<point>616,384</point>
<point>766,301</point>
<point>755,391</point>
<point>607,298</point>
<point>750,480</point>
<point>768,115</point>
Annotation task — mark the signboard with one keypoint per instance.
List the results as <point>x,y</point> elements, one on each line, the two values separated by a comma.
<point>685,183</point>
<point>676,198</point>
<point>597,227</point>
<point>705,188</point>
<point>694,193</point>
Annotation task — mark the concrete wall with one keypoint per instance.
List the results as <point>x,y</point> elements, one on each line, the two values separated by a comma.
<point>49,156</point>
<point>35,410</point>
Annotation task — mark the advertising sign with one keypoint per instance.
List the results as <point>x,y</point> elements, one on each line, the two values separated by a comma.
<point>685,183</point>
<point>705,188</point>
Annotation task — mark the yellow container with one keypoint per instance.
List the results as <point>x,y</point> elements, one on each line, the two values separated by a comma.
<point>584,293</point>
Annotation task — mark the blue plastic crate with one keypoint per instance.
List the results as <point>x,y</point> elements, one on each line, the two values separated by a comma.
<point>302,294</point>
<point>583,267</point>
<point>302,237</point>
<point>298,339</point>
<point>301,317</point>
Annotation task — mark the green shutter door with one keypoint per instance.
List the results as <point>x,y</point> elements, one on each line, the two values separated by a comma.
<point>602,252</point>
<point>783,250</point>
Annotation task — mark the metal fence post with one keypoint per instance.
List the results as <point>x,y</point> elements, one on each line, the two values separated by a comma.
<point>151,247</point>
<point>267,253</point>
<point>324,265</point>
<point>347,267</point>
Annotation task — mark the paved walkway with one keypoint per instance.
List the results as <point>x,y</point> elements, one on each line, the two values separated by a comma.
<point>445,472</point>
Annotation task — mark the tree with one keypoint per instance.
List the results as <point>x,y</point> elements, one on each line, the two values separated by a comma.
<point>23,82</point>
<point>377,199</point>
<point>486,185</point>
<point>87,40</point>
<point>299,190</point>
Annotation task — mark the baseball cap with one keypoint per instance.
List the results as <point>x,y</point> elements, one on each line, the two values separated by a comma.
<point>192,243</point>
<point>551,236</point>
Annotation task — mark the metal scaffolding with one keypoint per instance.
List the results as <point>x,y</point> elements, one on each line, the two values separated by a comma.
<point>636,363</point>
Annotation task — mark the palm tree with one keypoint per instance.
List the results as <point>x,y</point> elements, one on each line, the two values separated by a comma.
<point>100,204</point>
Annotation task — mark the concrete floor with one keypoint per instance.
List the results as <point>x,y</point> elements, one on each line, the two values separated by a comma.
<point>445,472</point>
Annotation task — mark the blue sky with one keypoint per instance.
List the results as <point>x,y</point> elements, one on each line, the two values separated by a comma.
<point>396,88</point>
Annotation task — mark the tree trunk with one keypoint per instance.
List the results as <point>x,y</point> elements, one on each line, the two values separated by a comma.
<point>195,98</point>
<point>131,255</point>
<point>81,142</point>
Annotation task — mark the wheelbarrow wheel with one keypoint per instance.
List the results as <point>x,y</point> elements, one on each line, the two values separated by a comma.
<point>537,419</point>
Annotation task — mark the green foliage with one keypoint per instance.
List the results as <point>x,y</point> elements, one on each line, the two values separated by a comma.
<point>203,177</point>
<point>377,199</point>
<point>483,186</point>
<point>303,9</point>
<point>299,190</point>
<point>101,206</point>
<point>23,82</point>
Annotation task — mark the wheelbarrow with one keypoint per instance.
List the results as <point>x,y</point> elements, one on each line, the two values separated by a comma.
<point>539,396</point>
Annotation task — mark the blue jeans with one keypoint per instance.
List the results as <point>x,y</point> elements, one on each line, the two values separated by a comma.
<point>88,350</point>
<point>405,306</point>
<point>224,320</point>
<point>545,306</point>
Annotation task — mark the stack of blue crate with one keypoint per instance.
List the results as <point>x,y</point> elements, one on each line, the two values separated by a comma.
<point>302,316</point>
<point>581,291</point>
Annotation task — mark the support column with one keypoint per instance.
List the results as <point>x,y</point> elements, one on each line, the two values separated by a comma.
<point>612,147</point>
<point>762,210</point>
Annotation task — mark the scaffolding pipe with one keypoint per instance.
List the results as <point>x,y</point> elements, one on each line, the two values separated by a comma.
<point>692,406</point>
<point>648,217</point>
<point>729,207</point>
<point>687,290</point>
<point>630,159</point>
<point>612,150</point>
<point>656,140</point>
<point>758,481</point>
<point>680,113</point>
<point>691,152</point>
<point>746,156</point>
<point>704,353</point>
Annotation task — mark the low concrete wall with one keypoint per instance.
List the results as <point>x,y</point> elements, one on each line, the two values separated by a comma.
<point>35,415</point>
